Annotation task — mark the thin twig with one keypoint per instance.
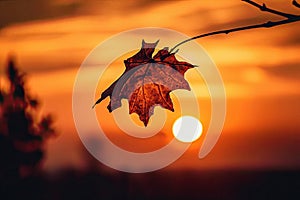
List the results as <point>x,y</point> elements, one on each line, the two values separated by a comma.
<point>295,3</point>
<point>264,8</point>
<point>290,18</point>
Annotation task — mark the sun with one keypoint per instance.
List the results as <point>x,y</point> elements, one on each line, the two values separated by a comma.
<point>187,129</point>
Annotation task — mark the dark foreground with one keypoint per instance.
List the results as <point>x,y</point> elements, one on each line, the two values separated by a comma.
<point>159,185</point>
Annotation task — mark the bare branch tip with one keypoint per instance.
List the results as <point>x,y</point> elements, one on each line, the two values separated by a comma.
<point>289,18</point>
<point>296,4</point>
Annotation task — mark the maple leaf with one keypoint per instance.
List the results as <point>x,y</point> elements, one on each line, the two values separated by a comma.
<point>147,82</point>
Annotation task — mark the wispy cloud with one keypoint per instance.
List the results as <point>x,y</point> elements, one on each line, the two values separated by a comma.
<point>17,11</point>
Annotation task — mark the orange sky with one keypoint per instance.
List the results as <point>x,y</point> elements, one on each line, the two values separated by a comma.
<point>260,68</point>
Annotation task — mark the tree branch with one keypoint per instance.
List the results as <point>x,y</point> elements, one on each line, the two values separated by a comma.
<point>264,8</point>
<point>295,3</point>
<point>290,19</point>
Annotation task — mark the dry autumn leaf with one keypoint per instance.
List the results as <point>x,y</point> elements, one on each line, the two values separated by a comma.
<point>147,82</point>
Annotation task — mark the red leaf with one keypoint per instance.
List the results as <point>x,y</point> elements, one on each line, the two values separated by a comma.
<point>147,82</point>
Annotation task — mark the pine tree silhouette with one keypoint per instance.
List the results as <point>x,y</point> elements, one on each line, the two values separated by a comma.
<point>22,132</point>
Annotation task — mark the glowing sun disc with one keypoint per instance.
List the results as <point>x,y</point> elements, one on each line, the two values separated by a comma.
<point>187,129</point>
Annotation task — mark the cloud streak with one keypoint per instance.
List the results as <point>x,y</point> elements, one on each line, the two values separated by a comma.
<point>18,11</point>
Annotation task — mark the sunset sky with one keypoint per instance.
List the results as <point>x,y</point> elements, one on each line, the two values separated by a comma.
<point>260,69</point>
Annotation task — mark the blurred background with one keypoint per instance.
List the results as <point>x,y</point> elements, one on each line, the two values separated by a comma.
<point>257,155</point>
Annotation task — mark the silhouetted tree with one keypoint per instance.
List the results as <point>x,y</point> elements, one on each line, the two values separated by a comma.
<point>22,132</point>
